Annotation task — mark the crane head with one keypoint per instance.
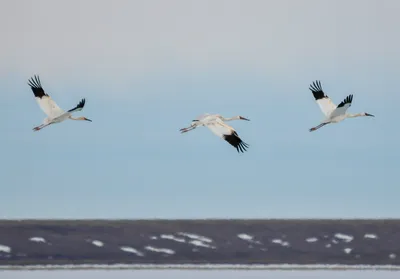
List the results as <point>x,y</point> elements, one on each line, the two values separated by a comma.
<point>79,118</point>
<point>84,118</point>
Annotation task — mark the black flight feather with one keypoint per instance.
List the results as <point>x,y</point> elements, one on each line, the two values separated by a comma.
<point>36,87</point>
<point>79,106</point>
<point>347,100</point>
<point>317,91</point>
<point>234,140</point>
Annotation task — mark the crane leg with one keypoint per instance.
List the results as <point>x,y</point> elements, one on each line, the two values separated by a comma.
<point>40,127</point>
<point>37,128</point>
<point>184,130</point>
<point>317,127</point>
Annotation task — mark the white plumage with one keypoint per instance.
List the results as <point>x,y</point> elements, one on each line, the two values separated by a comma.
<point>216,124</point>
<point>49,107</point>
<point>54,113</point>
<point>333,113</point>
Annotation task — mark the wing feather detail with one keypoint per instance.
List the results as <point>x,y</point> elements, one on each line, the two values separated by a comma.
<point>325,103</point>
<point>226,132</point>
<point>46,103</point>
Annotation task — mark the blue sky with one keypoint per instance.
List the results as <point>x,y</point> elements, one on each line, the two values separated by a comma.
<point>147,68</point>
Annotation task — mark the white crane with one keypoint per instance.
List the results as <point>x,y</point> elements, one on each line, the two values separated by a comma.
<point>333,113</point>
<point>54,113</point>
<point>215,123</point>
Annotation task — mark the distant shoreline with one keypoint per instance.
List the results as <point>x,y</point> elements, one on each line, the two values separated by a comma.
<point>200,267</point>
<point>200,244</point>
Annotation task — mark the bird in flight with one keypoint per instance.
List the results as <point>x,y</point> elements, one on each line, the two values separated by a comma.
<point>215,123</point>
<point>54,113</point>
<point>333,113</point>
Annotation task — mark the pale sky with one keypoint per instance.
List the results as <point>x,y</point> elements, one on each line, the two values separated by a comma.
<point>147,68</point>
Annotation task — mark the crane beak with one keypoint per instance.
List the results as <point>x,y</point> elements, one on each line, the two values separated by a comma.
<point>367,114</point>
<point>243,118</point>
<point>87,119</point>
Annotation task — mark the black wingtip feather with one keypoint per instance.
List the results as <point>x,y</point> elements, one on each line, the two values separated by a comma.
<point>317,91</point>
<point>235,141</point>
<point>36,87</point>
<point>79,106</point>
<point>347,100</point>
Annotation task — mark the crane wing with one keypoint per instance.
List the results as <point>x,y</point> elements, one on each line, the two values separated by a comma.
<point>342,107</point>
<point>45,102</point>
<point>226,132</point>
<point>325,103</point>
<point>79,107</point>
<point>49,107</point>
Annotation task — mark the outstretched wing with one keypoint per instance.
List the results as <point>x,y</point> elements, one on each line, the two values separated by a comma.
<point>224,131</point>
<point>343,106</point>
<point>325,103</point>
<point>45,102</point>
<point>79,107</point>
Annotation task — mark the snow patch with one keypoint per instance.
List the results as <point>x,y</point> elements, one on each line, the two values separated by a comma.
<point>328,245</point>
<point>344,237</point>
<point>160,250</point>
<point>248,238</point>
<point>245,236</point>
<point>153,237</point>
<point>37,239</point>
<point>171,237</point>
<point>280,241</point>
<point>312,239</point>
<point>131,250</point>
<point>370,235</point>
<point>97,243</point>
<point>196,237</point>
<point>347,250</point>
<point>201,244</point>
<point>5,249</point>
<point>392,256</point>
<point>197,240</point>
